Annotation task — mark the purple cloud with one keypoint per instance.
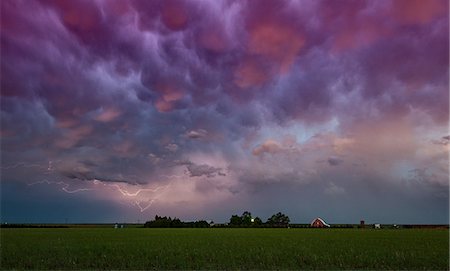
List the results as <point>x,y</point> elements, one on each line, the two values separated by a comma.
<point>118,95</point>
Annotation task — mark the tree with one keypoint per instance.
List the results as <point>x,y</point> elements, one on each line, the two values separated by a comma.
<point>159,222</point>
<point>201,224</point>
<point>168,222</point>
<point>235,220</point>
<point>257,222</point>
<point>278,220</point>
<point>246,219</point>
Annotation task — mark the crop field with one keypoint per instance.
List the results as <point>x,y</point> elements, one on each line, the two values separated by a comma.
<point>141,248</point>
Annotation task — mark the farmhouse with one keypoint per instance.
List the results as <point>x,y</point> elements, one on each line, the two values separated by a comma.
<point>319,223</point>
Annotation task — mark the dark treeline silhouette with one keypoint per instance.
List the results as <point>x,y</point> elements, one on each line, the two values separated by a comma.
<point>246,220</point>
<point>278,220</point>
<point>168,222</point>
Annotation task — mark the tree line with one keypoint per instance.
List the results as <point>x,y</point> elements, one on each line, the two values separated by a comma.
<point>278,220</point>
<point>168,222</point>
<point>246,220</point>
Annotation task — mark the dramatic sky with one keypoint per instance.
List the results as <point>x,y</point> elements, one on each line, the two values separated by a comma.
<point>120,110</point>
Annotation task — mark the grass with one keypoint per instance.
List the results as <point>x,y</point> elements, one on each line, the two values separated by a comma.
<point>95,248</point>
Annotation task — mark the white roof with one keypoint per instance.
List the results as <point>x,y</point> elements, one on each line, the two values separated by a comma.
<point>321,220</point>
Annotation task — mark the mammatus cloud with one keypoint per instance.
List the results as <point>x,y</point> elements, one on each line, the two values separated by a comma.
<point>235,104</point>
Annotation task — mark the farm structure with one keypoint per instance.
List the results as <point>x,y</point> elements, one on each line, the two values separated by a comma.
<point>319,223</point>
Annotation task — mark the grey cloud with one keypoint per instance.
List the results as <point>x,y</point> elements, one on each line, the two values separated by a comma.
<point>428,177</point>
<point>170,92</point>
<point>85,174</point>
<point>334,161</point>
<point>172,147</point>
<point>445,140</point>
<point>333,189</point>
<point>204,170</point>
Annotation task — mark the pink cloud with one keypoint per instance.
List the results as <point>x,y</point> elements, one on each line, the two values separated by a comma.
<point>417,11</point>
<point>81,81</point>
<point>269,146</point>
<point>108,115</point>
<point>175,15</point>
<point>72,136</point>
<point>278,42</point>
<point>250,73</point>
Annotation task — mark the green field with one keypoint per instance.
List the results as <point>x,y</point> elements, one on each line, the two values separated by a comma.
<point>140,248</point>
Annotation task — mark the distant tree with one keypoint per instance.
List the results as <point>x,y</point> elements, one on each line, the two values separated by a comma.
<point>159,222</point>
<point>168,222</point>
<point>176,223</point>
<point>278,220</point>
<point>201,224</point>
<point>235,220</point>
<point>257,222</point>
<point>246,219</point>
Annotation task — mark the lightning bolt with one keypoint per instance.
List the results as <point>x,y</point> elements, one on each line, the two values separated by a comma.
<point>137,203</point>
<point>136,195</point>
<point>129,194</point>
<point>65,187</point>
<point>142,209</point>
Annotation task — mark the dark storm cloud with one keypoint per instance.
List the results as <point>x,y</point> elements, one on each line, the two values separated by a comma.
<point>334,161</point>
<point>445,140</point>
<point>204,170</point>
<point>94,24</point>
<point>122,91</point>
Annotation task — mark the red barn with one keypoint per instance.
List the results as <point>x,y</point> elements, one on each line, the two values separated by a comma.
<point>319,223</point>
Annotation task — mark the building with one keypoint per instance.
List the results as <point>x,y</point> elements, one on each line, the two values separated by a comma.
<point>377,226</point>
<point>362,224</point>
<point>319,223</point>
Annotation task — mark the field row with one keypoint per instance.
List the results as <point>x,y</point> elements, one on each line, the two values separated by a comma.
<point>140,248</point>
